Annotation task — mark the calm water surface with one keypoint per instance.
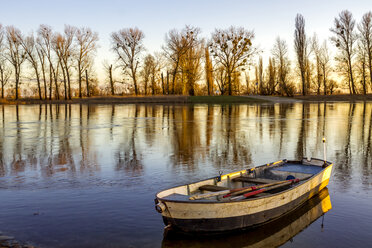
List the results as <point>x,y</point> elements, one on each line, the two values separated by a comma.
<point>86,175</point>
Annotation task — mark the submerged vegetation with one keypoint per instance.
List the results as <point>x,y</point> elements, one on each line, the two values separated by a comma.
<point>56,65</point>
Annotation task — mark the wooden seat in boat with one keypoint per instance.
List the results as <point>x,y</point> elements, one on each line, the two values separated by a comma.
<point>213,188</point>
<point>254,180</point>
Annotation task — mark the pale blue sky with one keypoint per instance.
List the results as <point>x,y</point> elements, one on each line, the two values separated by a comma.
<point>268,18</point>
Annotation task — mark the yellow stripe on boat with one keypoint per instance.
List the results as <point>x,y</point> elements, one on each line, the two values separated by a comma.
<point>233,174</point>
<point>238,173</point>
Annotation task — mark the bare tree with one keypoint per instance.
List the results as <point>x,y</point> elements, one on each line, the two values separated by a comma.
<point>280,55</point>
<point>5,72</point>
<point>28,44</point>
<point>63,47</point>
<point>128,45</point>
<point>42,59</point>
<point>221,79</point>
<point>272,77</point>
<point>232,48</point>
<point>325,65</point>
<point>316,49</point>
<point>15,54</point>
<point>146,72</point>
<point>261,86</point>
<point>109,69</point>
<point>45,36</point>
<point>365,34</point>
<point>344,39</point>
<point>362,66</point>
<point>300,44</point>
<point>86,45</point>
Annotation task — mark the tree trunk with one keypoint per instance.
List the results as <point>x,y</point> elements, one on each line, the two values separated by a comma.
<point>64,81</point>
<point>68,83</point>
<point>229,82</point>
<point>50,82</point>
<point>2,83</point>
<point>153,84</point>
<point>111,81</point>
<point>167,83</point>
<point>351,76</point>
<point>55,74</point>
<point>303,82</point>
<point>79,70</point>
<point>44,80</point>
<point>162,83</point>
<point>87,82</point>
<point>38,83</point>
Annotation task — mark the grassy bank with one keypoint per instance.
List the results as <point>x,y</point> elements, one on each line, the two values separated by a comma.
<point>188,99</point>
<point>223,99</point>
<point>139,99</point>
<point>335,98</point>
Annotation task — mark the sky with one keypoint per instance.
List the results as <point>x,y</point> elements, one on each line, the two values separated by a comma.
<point>267,18</point>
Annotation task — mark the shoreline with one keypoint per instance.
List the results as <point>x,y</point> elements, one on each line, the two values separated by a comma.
<point>179,99</point>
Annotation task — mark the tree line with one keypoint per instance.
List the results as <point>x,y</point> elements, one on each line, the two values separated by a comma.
<point>59,65</point>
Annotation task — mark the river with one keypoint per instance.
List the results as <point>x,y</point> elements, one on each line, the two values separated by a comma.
<point>86,175</point>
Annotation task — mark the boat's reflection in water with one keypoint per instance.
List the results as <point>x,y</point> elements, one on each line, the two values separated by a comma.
<point>272,234</point>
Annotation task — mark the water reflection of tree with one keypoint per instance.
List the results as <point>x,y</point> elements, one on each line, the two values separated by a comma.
<point>225,143</point>
<point>214,135</point>
<point>2,140</point>
<point>126,155</point>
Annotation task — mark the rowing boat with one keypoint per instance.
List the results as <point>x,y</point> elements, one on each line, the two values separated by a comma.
<point>274,234</point>
<point>244,198</point>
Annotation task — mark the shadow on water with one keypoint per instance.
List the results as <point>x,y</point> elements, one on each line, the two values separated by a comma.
<point>272,234</point>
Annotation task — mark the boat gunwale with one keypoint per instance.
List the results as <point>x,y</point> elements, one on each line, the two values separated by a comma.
<point>247,199</point>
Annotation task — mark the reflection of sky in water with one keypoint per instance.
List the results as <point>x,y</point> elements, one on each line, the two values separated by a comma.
<point>70,161</point>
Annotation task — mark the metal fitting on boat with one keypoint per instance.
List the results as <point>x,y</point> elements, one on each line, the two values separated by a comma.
<point>160,207</point>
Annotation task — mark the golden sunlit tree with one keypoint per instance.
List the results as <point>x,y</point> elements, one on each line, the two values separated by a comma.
<point>301,49</point>
<point>190,64</point>
<point>179,49</point>
<point>232,49</point>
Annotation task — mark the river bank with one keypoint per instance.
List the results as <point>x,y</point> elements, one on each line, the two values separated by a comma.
<point>179,99</point>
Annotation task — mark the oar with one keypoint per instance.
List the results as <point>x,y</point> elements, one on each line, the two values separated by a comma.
<point>222,192</point>
<point>249,194</point>
<point>251,188</point>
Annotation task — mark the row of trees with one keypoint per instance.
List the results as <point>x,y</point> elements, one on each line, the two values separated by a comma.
<point>51,56</point>
<point>56,64</point>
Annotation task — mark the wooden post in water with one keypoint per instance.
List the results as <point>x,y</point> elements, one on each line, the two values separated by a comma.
<point>324,150</point>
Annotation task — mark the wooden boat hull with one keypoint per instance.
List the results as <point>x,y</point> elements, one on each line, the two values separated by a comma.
<point>273,234</point>
<point>204,216</point>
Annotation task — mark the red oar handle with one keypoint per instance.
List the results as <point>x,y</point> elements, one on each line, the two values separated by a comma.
<point>254,192</point>
<point>235,190</point>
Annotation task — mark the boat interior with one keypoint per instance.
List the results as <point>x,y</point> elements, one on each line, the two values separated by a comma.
<point>260,177</point>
